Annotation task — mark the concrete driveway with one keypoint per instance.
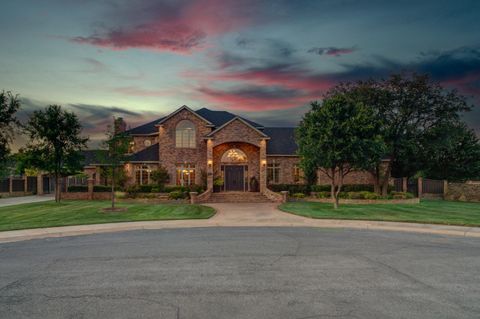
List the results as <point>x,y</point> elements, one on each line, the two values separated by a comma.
<point>244,272</point>
<point>9,201</point>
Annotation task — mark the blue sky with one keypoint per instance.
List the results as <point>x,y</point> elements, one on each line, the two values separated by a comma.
<point>141,59</point>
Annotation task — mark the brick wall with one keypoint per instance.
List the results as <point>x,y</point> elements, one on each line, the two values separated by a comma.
<point>170,155</point>
<point>463,192</point>
<point>139,142</point>
<point>287,163</point>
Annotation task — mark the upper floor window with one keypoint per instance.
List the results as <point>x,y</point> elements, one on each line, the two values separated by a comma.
<point>185,134</point>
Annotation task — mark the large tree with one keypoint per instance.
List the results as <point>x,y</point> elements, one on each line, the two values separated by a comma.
<point>409,106</point>
<point>337,137</point>
<point>451,151</point>
<point>55,143</point>
<point>117,145</point>
<point>9,105</point>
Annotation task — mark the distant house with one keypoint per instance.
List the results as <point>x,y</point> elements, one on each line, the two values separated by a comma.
<point>213,145</point>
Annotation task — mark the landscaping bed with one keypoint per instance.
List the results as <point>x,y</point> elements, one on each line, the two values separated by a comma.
<point>69,212</point>
<point>427,211</point>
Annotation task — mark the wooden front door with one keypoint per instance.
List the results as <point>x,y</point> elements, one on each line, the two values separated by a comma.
<point>234,179</point>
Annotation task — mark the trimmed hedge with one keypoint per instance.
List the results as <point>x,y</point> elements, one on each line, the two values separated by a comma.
<point>306,189</point>
<point>134,189</point>
<point>96,189</point>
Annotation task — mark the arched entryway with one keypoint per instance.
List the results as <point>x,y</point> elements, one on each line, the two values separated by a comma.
<point>234,165</point>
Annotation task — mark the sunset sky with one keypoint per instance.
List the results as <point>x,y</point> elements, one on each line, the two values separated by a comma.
<point>141,59</point>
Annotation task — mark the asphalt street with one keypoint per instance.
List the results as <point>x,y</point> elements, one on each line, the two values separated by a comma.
<point>242,273</point>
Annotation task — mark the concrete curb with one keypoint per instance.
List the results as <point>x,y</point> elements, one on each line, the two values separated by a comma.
<point>27,234</point>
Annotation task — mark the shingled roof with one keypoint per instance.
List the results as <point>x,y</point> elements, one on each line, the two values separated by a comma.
<point>282,141</point>
<point>149,154</point>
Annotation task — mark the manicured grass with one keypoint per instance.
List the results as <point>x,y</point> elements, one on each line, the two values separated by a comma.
<point>48,214</point>
<point>428,211</point>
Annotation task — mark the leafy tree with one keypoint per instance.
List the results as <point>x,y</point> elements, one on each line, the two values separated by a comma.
<point>338,137</point>
<point>451,151</point>
<point>160,176</point>
<point>9,105</point>
<point>416,105</point>
<point>117,145</point>
<point>55,143</point>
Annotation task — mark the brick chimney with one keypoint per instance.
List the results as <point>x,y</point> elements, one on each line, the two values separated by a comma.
<point>119,124</point>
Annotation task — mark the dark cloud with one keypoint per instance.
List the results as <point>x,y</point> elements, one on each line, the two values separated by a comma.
<point>332,51</point>
<point>94,118</point>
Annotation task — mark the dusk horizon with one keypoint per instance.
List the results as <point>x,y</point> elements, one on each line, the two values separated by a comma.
<point>263,60</point>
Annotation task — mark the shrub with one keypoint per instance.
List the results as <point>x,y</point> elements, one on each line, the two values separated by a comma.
<point>401,195</point>
<point>177,195</point>
<point>77,189</point>
<point>160,176</point>
<point>298,195</point>
<point>103,188</point>
<point>371,195</point>
<point>345,188</point>
<point>355,195</point>
<point>323,195</point>
<point>291,188</point>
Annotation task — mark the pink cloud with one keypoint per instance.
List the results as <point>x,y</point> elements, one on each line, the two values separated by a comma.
<point>181,30</point>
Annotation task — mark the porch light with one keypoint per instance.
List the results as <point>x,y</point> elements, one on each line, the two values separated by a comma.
<point>264,163</point>
<point>210,163</point>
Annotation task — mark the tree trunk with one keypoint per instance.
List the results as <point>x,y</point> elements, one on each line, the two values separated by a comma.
<point>376,179</point>
<point>339,187</point>
<point>333,190</point>
<point>57,190</point>
<point>386,179</point>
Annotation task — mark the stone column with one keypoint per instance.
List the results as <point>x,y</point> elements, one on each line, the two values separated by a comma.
<point>263,165</point>
<point>90,182</point>
<point>209,164</point>
<point>284,196</point>
<point>404,184</point>
<point>10,185</point>
<point>39,184</point>
<point>193,197</point>
<point>420,187</point>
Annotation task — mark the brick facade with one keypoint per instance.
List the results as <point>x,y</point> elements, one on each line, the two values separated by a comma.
<point>211,142</point>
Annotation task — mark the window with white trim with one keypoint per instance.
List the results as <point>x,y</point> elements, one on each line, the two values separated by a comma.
<point>273,172</point>
<point>142,174</point>
<point>185,174</point>
<point>185,134</point>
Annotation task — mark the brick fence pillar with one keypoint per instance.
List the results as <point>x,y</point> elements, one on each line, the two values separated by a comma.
<point>284,196</point>
<point>90,182</point>
<point>445,188</point>
<point>193,197</point>
<point>420,187</point>
<point>25,184</point>
<point>404,184</point>
<point>10,185</point>
<point>39,184</point>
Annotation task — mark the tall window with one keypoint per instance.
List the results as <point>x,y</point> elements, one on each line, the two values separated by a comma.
<point>185,134</point>
<point>273,172</point>
<point>185,174</point>
<point>296,173</point>
<point>142,175</point>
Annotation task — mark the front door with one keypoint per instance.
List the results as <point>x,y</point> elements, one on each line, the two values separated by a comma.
<point>234,180</point>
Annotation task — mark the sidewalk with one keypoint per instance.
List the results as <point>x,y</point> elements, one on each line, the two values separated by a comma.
<point>240,215</point>
<point>9,201</point>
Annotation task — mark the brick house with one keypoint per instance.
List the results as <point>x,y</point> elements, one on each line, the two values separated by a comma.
<point>203,146</point>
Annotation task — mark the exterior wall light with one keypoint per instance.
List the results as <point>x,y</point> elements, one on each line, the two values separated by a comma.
<point>210,163</point>
<point>264,163</point>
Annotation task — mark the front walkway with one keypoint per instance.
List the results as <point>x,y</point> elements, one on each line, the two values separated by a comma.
<point>240,215</point>
<point>9,201</point>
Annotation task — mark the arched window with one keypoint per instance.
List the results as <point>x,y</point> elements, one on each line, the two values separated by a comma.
<point>185,134</point>
<point>234,155</point>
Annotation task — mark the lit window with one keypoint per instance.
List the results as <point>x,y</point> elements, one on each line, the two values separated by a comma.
<point>142,175</point>
<point>234,155</point>
<point>297,174</point>
<point>185,134</point>
<point>185,174</point>
<point>273,172</point>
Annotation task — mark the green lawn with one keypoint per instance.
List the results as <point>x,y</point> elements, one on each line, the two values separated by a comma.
<point>428,211</point>
<point>48,214</point>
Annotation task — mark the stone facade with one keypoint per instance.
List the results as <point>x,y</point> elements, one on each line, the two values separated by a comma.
<point>466,192</point>
<point>356,177</point>
<point>287,165</point>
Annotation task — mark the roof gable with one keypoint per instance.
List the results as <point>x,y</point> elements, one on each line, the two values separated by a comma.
<point>240,120</point>
<point>218,118</point>
<point>187,109</point>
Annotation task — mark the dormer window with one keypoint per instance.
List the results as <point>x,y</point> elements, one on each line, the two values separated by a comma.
<point>185,134</point>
